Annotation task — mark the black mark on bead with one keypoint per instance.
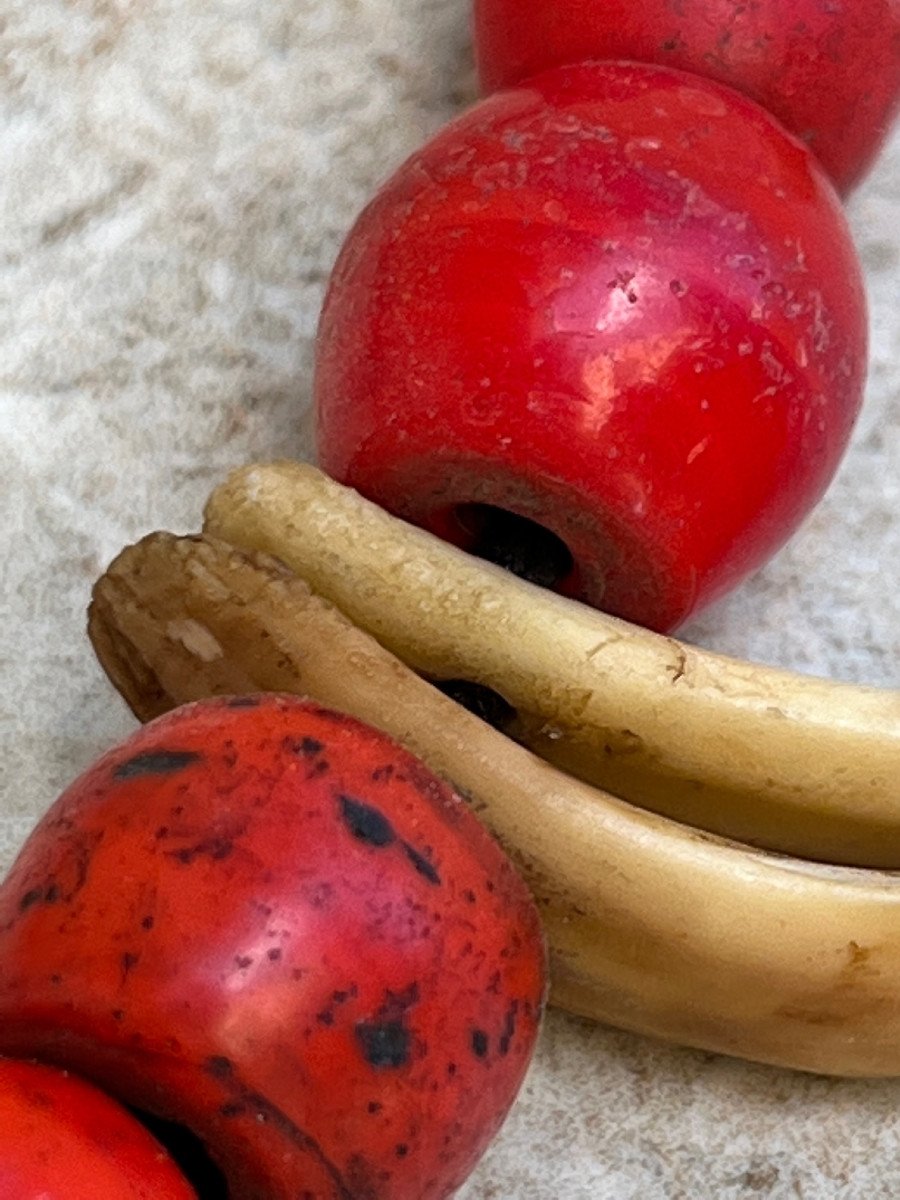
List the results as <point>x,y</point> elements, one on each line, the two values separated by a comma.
<point>244,1102</point>
<point>397,1003</point>
<point>219,1067</point>
<point>364,1179</point>
<point>370,825</point>
<point>31,897</point>
<point>243,702</point>
<point>156,762</point>
<point>148,922</point>
<point>509,1028</point>
<point>384,1044</point>
<point>306,747</point>
<point>367,823</point>
<point>374,1107</point>
<point>268,1113</point>
<point>421,864</point>
<point>339,997</point>
<point>215,848</point>
<point>52,893</point>
<point>128,962</point>
<point>479,1043</point>
<point>401,1149</point>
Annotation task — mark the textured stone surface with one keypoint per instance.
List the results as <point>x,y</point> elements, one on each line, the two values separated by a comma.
<point>176,179</point>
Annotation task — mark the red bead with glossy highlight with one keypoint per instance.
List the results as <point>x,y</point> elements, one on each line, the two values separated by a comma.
<point>619,301</point>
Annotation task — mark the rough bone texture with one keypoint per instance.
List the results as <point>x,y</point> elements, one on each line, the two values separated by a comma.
<point>176,181</point>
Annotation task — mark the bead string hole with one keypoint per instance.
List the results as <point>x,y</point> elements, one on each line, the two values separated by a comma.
<point>522,546</point>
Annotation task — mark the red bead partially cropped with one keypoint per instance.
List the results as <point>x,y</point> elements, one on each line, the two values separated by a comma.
<point>62,1139</point>
<point>618,301</point>
<point>271,924</point>
<point>829,70</point>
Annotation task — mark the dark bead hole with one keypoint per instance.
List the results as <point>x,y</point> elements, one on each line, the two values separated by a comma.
<point>519,544</point>
<point>483,701</point>
<point>189,1155</point>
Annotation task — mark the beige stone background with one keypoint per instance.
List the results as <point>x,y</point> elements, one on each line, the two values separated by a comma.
<point>175,179</point>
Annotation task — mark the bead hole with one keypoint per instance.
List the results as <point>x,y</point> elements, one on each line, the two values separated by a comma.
<point>189,1155</point>
<point>520,545</point>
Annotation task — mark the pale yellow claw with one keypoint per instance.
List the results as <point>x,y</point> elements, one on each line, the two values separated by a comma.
<point>653,926</point>
<point>800,765</point>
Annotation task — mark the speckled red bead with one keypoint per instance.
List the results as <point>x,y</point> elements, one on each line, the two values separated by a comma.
<point>271,924</point>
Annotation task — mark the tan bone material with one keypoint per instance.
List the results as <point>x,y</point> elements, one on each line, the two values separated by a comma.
<point>653,926</point>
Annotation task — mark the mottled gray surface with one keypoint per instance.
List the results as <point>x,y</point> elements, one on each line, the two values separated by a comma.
<point>175,181</point>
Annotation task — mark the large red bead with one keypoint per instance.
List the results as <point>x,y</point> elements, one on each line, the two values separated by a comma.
<point>272,925</point>
<point>619,301</point>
